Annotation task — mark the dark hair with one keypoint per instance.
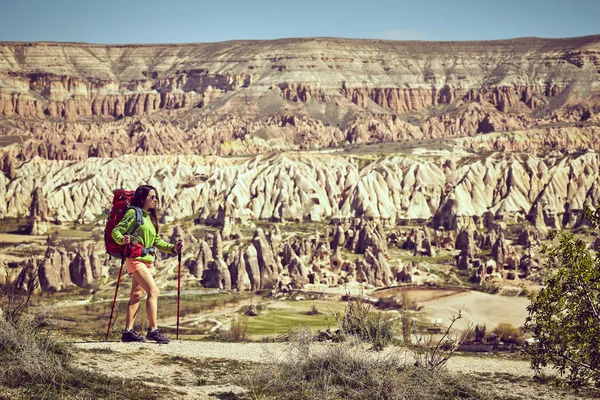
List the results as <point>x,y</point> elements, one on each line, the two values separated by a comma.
<point>139,198</point>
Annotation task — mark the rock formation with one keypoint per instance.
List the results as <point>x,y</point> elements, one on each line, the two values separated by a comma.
<point>38,213</point>
<point>436,134</point>
<point>220,268</point>
<point>548,191</point>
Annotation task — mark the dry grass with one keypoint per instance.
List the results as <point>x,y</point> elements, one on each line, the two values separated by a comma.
<point>37,365</point>
<point>238,332</point>
<point>359,320</point>
<point>26,352</point>
<point>433,352</point>
<point>343,371</point>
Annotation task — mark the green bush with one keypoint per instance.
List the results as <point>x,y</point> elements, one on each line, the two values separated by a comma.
<point>564,318</point>
<point>507,333</point>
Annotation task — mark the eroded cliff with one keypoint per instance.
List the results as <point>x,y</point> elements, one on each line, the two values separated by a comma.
<point>73,101</point>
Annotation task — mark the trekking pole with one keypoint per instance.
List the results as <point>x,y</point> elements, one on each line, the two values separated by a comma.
<point>178,287</point>
<point>115,298</point>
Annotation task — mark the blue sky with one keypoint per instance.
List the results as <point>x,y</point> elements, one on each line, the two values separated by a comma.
<point>185,21</point>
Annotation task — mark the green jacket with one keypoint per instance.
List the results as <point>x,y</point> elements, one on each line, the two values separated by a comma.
<point>147,235</point>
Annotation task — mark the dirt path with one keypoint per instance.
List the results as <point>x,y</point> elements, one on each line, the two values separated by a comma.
<point>18,239</point>
<point>196,370</point>
<point>265,352</point>
<point>210,370</point>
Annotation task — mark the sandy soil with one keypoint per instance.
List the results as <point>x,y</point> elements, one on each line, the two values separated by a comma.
<point>478,308</point>
<point>417,294</point>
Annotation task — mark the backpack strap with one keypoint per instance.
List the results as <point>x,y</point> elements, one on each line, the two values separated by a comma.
<point>139,220</point>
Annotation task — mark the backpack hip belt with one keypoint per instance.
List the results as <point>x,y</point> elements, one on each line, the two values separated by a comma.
<point>136,250</point>
<point>148,250</point>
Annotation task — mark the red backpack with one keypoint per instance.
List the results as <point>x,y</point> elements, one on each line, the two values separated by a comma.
<point>121,203</point>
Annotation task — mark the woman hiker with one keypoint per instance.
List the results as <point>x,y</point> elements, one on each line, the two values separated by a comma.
<point>139,262</point>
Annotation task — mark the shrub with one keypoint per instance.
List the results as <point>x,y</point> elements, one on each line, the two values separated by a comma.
<point>432,353</point>
<point>358,319</point>
<point>480,331</point>
<point>27,353</point>
<point>15,302</point>
<point>36,364</point>
<point>238,331</point>
<point>314,310</point>
<point>343,371</point>
<point>564,317</point>
<point>407,326</point>
<point>388,303</point>
<point>507,333</point>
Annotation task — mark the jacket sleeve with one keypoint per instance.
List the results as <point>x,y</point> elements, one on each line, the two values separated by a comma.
<point>162,245</point>
<point>124,226</point>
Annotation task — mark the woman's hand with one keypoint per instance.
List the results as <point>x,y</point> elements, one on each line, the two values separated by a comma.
<point>178,246</point>
<point>126,239</point>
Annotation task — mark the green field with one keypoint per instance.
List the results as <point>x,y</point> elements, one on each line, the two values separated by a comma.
<point>279,318</point>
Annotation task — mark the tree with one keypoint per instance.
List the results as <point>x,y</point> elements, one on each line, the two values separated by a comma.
<point>480,333</point>
<point>564,316</point>
<point>508,333</point>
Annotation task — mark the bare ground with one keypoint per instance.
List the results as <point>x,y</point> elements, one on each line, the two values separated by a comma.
<point>18,239</point>
<point>211,370</point>
<point>479,308</point>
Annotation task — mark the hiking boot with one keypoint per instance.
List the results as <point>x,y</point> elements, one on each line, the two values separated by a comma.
<point>158,335</point>
<point>132,336</point>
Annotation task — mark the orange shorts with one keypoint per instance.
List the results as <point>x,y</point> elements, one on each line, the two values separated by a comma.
<point>135,265</point>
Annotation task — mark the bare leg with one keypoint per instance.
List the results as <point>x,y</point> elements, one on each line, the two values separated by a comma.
<point>146,281</point>
<point>134,301</point>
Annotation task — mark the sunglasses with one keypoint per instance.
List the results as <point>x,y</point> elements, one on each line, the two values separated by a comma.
<point>153,197</point>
